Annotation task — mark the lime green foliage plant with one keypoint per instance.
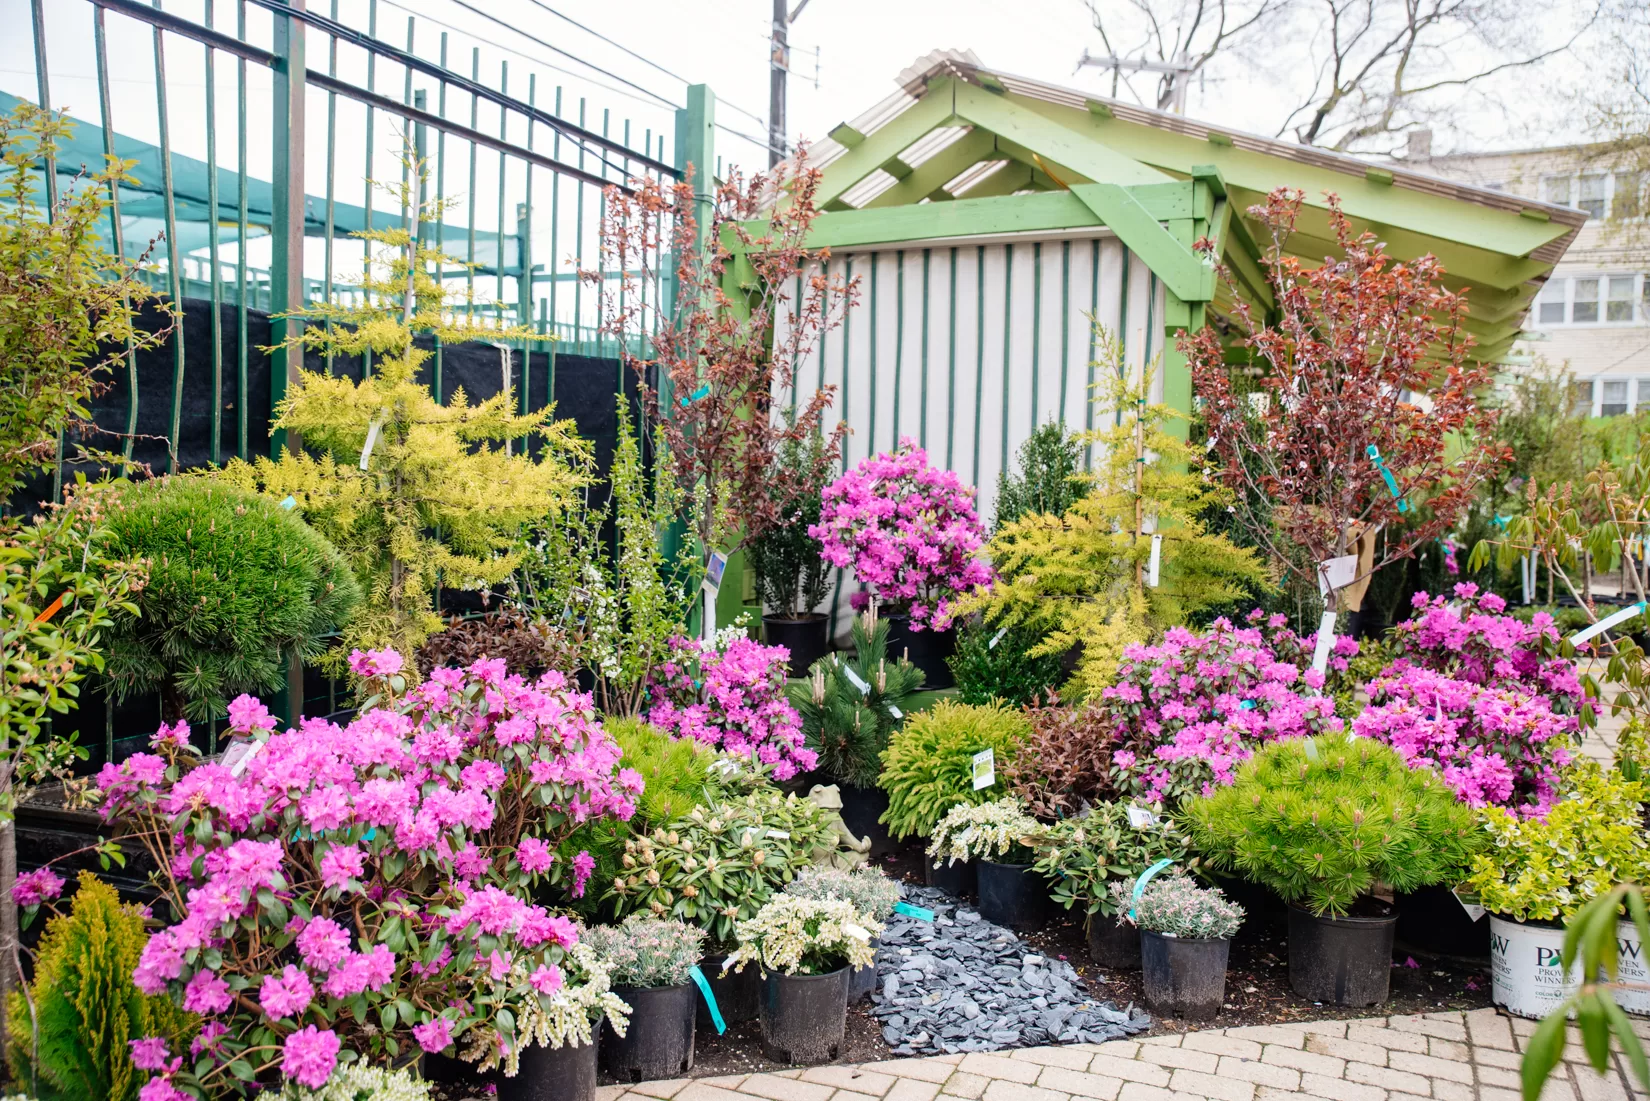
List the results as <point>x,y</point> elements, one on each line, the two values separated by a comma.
<point>997,663</point>
<point>68,307</point>
<point>1082,857</point>
<point>75,1043</point>
<point>928,766</point>
<point>999,831</point>
<point>1046,480</point>
<point>850,706</point>
<point>1321,820</point>
<point>442,491</point>
<point>236,585</point>
<point>867,887</point>
<point>719,863</point>
<point>1083,577</point>
<point>1546,870</point>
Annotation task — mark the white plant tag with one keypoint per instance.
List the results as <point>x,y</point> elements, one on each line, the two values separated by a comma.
<point>1140,817</point>
<point>896,712</point>
<point>857,932</point>
<point>1336,573</point>
<point>996,638</point>
<point>1154,568</point>
<point>1326,640</point>
<point>779,835</point>
<point>985,769</point>
<point>1605,624</point>
<point>372,438</point>
<point>1469,902</point>
<point>855,680</point>
<point>239,755</point>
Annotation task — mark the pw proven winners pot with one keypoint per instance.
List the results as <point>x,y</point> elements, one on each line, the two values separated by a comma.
<point>1527,973</point>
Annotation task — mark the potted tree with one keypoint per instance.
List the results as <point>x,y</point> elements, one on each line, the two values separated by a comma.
<point>870,891</point>
<point>1001,838</point>
<point>651,963</point>
<point>805,948</point>
<point>790,574</point>
<point>1322,821</point>
<point>1185,937</point>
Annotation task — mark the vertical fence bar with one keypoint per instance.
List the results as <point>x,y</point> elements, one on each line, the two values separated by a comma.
<point>524,257</point>
<point>43,89</point>
<point>241,304</point>
<point>367,186</point>
<point>174,276</point>
<point>578,245</point>
<point>475,120</point>
<point>555,239</point>
<point>100,49</point>
<point>332,169</point>
<point>503,134</point>
<point>213,244</point>
<point>440,202</point>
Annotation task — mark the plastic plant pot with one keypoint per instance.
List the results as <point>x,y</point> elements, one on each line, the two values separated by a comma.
<point>1013,896</point>
<point>1340,960</point>
<point>1114,943</point>
<point>738,993</point>
<point>1183,977</point>
<point>552,1074</point>
<point>1432,920</point>
<point>659,1041</point>
<point>1527,973</point>
<point>862,810</point>
<point>863,980</point>
<point>807,638</point>
<point>959,880</point>
<point>804,1017</point>
<point>926,649</point>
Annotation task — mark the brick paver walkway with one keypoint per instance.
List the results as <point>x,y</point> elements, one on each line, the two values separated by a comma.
<point>1449,1056</point>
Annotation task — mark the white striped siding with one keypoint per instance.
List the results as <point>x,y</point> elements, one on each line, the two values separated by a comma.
<point>1043,296</point>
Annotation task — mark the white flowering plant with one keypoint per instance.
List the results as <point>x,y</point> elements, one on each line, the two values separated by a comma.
<point>359,1082</point>
<point>647,952</point>
<point>869,889</point>
<point>565,1013</point>
<point>807,936</point>
<point>1175,906</point>
<point>1001,831</point>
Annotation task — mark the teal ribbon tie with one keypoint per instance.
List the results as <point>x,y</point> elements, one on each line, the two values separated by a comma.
<point>710,1000</point>
<point>289,502</point>
<point>1145,878</point>
<point>1386,475</point>
<point>696,395</point>
<point>917,912</point>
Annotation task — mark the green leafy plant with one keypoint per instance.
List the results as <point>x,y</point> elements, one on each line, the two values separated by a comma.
<point>647,952</point>
<point>1001,831</point>
<point>719,863</point>
<point>850,706</point>
<point>1065,763</point>
<point>808,936</point>
<point>997,663</point>
<point>1046,480</point>
<point>1320,820</point>
<point>441,492</point>
<point>928,766</point>
<point>70,1029</point>
<point>236,585</point>
<point>1175,906</point>
<point>1590,841</point>
<point>868,888</point>
<point>68,307</point>
<point>790,574</point>
<point>1083,857</point>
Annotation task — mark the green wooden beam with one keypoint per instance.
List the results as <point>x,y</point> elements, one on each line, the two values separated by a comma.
<point>937,171</point>
<point>1086,154</point>
<point>897,168</point>
<point>890,140</point>
<point>1173,261</point>
<point>846,136</point>
<point>1005,181</point>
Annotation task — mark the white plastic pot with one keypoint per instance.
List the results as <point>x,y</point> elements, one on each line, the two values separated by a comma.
<point>1528,975</point>
<point>1632,968</point>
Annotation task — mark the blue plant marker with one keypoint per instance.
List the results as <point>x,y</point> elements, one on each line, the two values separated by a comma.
<point>917,912</point>
<point>710,1000</point>
<point>1391,482</point>
<point>1246,705</point>
<point>1145,878</point>
<point>289,502</point>
<point>696,395</point>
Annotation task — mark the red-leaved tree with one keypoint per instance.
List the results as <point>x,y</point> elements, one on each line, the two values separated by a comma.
<point>714,361</point>
<point>1361,352</point>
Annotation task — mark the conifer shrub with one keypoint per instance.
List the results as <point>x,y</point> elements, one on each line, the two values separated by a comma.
<point>1320,820</point>
<point>86,1006</point>
<point>236,584</point>
<point>1045,480</point>
<point>997,663</point>
<point>928,766</point>
<point>851,705</point>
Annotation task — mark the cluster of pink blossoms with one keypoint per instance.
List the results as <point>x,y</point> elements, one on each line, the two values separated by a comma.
<point>907,529</point>
<point>385,861</point>
<point>1482,698</point>
<point>731,695</point>
<point>1190,709</point>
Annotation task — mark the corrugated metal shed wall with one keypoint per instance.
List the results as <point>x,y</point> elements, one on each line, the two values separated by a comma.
<point>967,348</point>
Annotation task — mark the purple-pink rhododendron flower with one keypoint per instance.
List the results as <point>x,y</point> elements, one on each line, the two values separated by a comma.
<point>907,529</point>
<point>364,888</point>
<point>730,693</point>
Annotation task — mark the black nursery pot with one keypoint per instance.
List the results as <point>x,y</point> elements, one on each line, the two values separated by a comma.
<point>804,1017</point>
<point>1013,896</point>
<point>959,880</point>
<point>807,638</point>
<point>926,649</point>
<point>737,994</point>
<point>1340,960</point>
<point>659,1041</point>
<point>552,1074</point>
<point>862,811</point>
<point>1431,920</point>
<point>1114,943</point>
<point>863,980</point>
<point>1182,976</point>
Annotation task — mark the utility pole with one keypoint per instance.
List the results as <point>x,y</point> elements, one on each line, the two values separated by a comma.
<point>1178,72</point>
<point>779,63</point>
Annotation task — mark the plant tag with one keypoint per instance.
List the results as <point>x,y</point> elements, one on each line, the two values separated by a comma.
<point>239,755</point>
<point>1140,817</point>
<point>985,769</point>
<point>1145,878</point>
<point>1605,624</point>
<point>710,999</point>
<point>715,567</point>
<point>856,680</point>
<point>779,835</point>
<point>1326,640</point>
<point>857,932</point>
<point>996,638</point>
<point>896,712</point>
<point>372,438</point>
<point>1154,567</point>
<point>918,912</point>
<point>1336,573</point>
<point>289,502</point>
<point>1469,902</point>
<point>703,391</point>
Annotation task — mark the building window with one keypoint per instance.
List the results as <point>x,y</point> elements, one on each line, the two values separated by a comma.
<point>1614,400</point>
<point>1584,307</point>
<point>1556,190</point>
<point>1628,201</point>
<point>1618,302</point>
<point>1551,307</point>
<point>1593,196</point>
<point>1644,394</point>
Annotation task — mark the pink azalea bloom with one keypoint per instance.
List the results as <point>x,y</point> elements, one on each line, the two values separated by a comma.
<point>205,993</point>
<point>434,1036</point>
<point>341,864</point>
<point>288,994</point>
<point>150,1053</point>
<point>309,1056</point>
<point>37,886</point>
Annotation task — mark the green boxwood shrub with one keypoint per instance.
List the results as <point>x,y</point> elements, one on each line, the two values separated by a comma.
<point>1321,820</point>
<point>928,766</point>
<point>1005,671</point>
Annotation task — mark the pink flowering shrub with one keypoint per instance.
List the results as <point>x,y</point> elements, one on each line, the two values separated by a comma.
<point>343,893</point>
<point>1187,711</point>
<point>1480,697</point>
<point>729,692</point>
<point>908,530</point>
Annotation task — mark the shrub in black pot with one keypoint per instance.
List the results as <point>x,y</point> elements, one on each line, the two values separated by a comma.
<point>651,963</point>
<point>928,766</point>
<point>791,577</point>
<point>806,949</point>
<point>1321,821</point>
<point>1185,938</point>
<point>868,889</point>
<point>554,1058</point>
<point>1001,838</point>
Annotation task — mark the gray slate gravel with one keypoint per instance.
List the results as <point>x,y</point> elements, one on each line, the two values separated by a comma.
<point>960,983</point>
